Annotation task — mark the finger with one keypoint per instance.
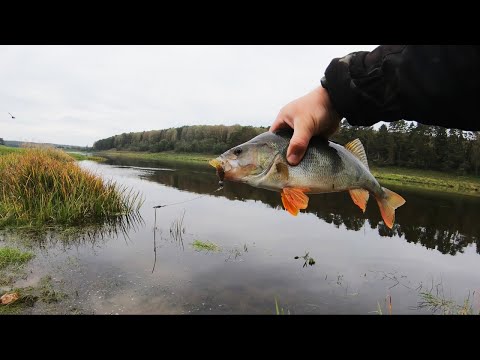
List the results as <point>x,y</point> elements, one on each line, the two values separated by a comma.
<point>279,123</point>
<point>299,142</point>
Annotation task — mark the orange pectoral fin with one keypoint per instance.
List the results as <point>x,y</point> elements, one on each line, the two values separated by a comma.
<point>294,199</point>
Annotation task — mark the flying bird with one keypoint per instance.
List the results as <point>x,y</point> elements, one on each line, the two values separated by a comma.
<point>13,117</point>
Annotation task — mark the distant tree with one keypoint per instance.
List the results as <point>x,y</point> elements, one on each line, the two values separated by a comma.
<point>440,147</point>
<point>475,153</point>
<point>2,142</point>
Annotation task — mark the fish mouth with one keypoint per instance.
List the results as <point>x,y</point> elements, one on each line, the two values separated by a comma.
<point>217,164</point>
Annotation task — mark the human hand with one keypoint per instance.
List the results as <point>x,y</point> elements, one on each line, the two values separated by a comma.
<point>309,115</point>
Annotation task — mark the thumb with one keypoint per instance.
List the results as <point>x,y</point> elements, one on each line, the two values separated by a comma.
<point>298,143</point>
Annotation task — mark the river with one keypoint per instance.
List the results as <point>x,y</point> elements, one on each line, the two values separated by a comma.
<point>330,259</point>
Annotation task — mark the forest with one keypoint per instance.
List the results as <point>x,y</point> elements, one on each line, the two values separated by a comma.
<point>399,143</point>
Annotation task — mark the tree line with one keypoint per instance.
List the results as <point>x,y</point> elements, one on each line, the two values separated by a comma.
<point>417,146</point>
<point>399,143</point>
<point>209,139</point>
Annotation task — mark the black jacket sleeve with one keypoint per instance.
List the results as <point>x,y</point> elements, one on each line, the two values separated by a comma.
<point>431,84</point>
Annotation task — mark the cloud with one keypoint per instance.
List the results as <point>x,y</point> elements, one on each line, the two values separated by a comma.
<point>79,94</point>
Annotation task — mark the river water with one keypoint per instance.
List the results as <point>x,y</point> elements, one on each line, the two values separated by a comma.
<point>149,265</point>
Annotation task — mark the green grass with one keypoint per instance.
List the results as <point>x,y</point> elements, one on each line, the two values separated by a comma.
<point>12,256</point>
<point>166,156</point>
<point>12,261</point>
<point>80,157</point>
<point>278,310</point>
<point>8,150</point>
<point>45,186</point>
<point>435,301</point>
<point>439,303</point>
<point>428,179</point>
<point>205,246</point>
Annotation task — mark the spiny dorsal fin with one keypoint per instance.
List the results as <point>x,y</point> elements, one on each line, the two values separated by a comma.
<point>356,148</point>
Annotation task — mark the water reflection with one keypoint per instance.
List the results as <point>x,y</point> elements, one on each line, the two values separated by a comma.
<point>445,222</point>
<point>93,235</point>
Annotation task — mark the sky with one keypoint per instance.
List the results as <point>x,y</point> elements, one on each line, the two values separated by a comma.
<point>76,94</point>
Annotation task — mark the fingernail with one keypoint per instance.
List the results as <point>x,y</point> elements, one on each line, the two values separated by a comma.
<point>293,159</point>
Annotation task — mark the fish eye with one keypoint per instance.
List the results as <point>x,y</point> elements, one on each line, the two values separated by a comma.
<point>237,151</point>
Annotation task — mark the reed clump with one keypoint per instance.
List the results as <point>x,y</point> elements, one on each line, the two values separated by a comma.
<point>45,186</point>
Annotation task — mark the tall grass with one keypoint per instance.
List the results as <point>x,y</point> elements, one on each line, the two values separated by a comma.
<point>13,256</point>
<point>42,186</point>
<point>177,230</point>
<point>439,303</point>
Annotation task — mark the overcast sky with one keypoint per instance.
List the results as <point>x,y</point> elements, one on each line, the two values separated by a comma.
<point>79,94</point>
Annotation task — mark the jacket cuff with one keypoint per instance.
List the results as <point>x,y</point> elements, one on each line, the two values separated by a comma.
<point>354,93</point>
<point>349,101</point>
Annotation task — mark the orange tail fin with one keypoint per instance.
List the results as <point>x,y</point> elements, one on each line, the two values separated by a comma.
<point>388,204</point>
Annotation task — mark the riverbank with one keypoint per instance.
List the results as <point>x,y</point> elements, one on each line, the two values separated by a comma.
<point>4,150</point>
<point>429,180</point>
<point>413,178</point>
<point>162,156</point>
<point>80,157</point>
